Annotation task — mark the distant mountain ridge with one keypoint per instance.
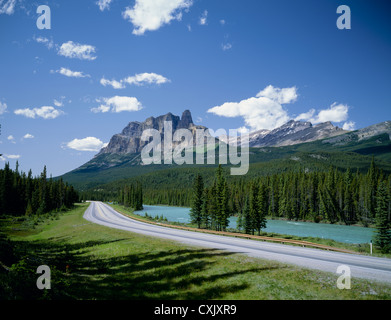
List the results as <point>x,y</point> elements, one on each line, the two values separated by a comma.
<point>295,144</point>
<point>293,132</point>
<point>362,134</point>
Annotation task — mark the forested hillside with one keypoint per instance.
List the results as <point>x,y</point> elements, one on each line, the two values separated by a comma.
<point>317,155</point>
<point>24,194</point>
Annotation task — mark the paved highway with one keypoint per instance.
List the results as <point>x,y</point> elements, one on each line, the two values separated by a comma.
<point>361,266</point>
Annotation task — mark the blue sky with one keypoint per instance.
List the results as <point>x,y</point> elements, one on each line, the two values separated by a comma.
<point>246,64</point>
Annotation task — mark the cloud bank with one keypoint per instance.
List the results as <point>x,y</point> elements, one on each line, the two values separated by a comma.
<point>45,112</point>
<point>266,111</point>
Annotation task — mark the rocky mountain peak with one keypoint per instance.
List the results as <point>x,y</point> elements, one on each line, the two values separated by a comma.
<point>186,119</point>
<point>129,140</point>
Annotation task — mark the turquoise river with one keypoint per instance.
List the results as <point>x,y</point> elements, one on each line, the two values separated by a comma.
<point>341,233</point>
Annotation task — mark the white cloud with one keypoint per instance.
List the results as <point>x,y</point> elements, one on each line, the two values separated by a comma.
<point>203,18</point>
<point>226,46</point>
<point>104,4</point>
<point>146,78</point>
<point>10,138</point>
<point>150,15</point>
<point>58,103</point>
<point>102,108</point>
<point>261,112</point>
<point>258,113</point>
<point>45,112</point>
<point>28,136</point>
<point>282,96</point>
<point>7,6</point>
<point>335,113</point>
<point>3,108</point>
<point>86,144</point>
<point>114,83</point>
<point>350,126</point>
<point>306,116</point>
<point>118,104</point>
<point>25,112</point>
<point>265,111</point>
<point>48,43</point>
<point>11,156</point>
<point>138,80</point>
<point>70,73</point>
<point>222,22</point>
<point>71,49</point>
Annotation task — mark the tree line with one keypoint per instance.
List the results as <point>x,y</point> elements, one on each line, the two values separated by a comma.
<point>330,196</point>
<point>21,193</point>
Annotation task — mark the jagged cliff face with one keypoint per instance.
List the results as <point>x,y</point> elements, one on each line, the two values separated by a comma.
<point>129,140</point>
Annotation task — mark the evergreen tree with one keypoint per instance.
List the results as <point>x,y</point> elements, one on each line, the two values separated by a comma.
<point>260,220</point>
<point>247,219</point>
<point>197,206</point>
<point>382,238</point>
<point>221,199</point>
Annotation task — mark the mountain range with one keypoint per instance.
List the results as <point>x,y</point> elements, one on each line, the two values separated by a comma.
<point>293,141</point>
<point>293,132</point>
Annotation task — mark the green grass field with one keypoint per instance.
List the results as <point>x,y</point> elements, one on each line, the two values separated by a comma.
<point>89,261</point>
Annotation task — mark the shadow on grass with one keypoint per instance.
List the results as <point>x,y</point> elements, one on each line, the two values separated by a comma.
<point>167,274</point>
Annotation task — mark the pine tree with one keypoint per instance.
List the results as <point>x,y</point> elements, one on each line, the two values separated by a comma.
<point>254,207</point>
<point>382,238</point>
<point>197,204</point>
<point>221,199</point>
<point>206,219</point>
<point>247,221</point>
<point>260,221</point>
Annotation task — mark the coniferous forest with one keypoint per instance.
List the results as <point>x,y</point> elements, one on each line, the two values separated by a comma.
<point>22,194</point>
<point>331,196</point>
<point>131,196</point>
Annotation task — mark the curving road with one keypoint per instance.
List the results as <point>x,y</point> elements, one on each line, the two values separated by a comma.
<point>361,266</point>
